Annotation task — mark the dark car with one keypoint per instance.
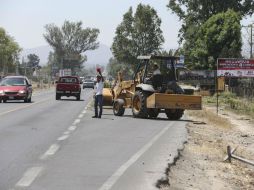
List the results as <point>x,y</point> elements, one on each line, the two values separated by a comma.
<point>68,86</point>
<point>88,83</point>
<point>15,88</point>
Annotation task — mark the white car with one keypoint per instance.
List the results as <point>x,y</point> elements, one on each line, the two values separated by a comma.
<point>88,83</point>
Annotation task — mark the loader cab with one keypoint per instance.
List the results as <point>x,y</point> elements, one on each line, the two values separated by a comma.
<point>146,74</point>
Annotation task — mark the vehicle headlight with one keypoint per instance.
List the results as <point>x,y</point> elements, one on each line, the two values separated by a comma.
<point>1,92</point>
<point>22,92</point>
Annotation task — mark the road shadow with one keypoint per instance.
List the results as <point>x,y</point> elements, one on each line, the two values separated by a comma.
<point>160,119</point>
<point>17,102</point>
<point>106,118</point>
<point>129,116</point>
<point>157,119</point>
<point>71,100</point>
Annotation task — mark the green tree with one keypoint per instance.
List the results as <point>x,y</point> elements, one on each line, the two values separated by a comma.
<point>200,11</point>
<point>9,51</point>
<point>171,52</point>
<point>70,41</point>
<point>219,36</point>
<point>33,60</point>
<point>114,66</point>
<point>194,13</point>
<point>137,34</point>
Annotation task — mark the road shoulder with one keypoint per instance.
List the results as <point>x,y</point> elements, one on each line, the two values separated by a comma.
<point>201,163</point>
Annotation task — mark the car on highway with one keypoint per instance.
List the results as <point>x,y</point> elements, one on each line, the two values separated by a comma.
<point>15,88</point>
<point>68,86</point>
<point>88,83</point>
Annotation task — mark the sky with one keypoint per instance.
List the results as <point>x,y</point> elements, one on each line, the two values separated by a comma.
<point>25,19</point>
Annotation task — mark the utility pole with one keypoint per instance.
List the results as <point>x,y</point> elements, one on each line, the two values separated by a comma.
<point>17,68</point>
<point>25,66</point>
<point>250,41</point>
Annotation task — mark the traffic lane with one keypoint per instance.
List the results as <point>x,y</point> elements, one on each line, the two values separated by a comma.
<point>96,150</point>
<point>26,134</point>
<point>38,98</point>
<point>22,145</point>
<point>15,104</point>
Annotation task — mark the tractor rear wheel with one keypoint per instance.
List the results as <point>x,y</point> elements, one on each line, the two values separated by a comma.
<point>153,112</point>
<point>139,105</point>
<point>118,108</point>
<point>174,114</point>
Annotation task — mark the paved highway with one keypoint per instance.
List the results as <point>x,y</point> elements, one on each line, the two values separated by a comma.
<point>56,145</point>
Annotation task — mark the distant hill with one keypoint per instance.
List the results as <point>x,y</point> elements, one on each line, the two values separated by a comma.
<point>99,56</point>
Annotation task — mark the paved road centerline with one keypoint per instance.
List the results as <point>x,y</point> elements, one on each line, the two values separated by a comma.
<point>29,176</point>
<point>80,116</point>
<point>51,151</point>
<point>66,133</point>
<point>76,122</point>
<point>72,128</point>
<point>63,137</point>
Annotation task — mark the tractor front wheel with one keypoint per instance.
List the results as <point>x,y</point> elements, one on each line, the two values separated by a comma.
<point>118,108</point>
<point>139,105</point>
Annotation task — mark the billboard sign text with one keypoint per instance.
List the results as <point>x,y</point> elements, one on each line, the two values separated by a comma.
<point>235,68</point>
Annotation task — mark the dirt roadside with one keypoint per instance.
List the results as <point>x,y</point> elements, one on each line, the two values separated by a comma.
<point>201,166</point>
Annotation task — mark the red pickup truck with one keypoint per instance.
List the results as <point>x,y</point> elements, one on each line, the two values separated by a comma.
<point>68,86</point>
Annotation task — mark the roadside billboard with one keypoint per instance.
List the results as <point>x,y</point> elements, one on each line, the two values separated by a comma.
<point>235,67</point>
<point>180,62</point>
<point>64,72</point>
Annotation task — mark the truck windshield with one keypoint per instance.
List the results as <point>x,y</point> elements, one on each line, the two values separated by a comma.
<point>68,80</point>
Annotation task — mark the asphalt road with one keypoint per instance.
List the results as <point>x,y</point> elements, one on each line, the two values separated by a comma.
<point>56,145</point>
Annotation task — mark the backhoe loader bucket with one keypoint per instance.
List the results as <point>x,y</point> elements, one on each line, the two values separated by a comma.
<point>174,101</point>
<point>107,97</point>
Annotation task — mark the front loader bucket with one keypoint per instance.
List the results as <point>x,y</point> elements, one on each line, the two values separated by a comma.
<point>174,101</point>
<point>107,97</point>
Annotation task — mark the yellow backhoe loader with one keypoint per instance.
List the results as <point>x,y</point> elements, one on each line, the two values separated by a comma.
<point>150,92</point>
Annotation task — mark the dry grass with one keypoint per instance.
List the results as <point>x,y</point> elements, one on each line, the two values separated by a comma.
<point>210,117</point>
<point>36,86</point>
<point>231,102</point>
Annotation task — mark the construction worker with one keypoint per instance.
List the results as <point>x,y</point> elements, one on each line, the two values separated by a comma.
<point>157,77</point>
<point>156,70</point>
<point>98,95</point>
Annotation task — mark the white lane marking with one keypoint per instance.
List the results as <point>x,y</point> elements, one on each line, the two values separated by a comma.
<point>66,133</point>
<point>85,108</point>
<point>80,116</point>
<point>84,112</point>
<point>72,128</point>
<point>113,179</point>
<point>29,176</point>
<point>51,151</point>
<point>63,137</point>
<point>76,122</point>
